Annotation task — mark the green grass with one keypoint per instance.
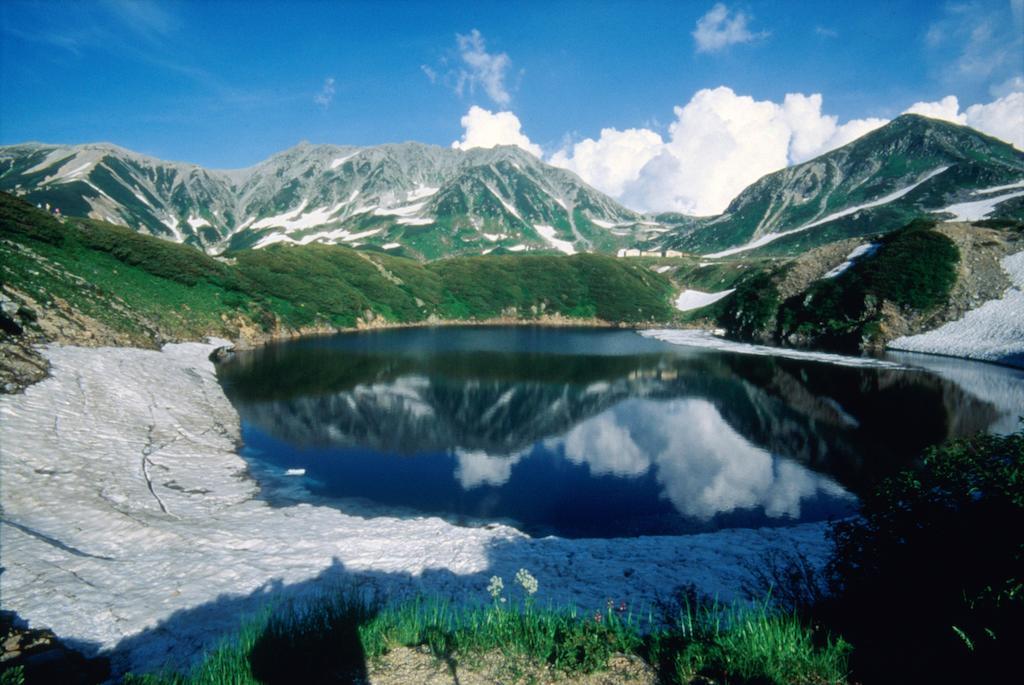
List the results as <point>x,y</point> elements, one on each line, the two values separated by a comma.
<point>338,635</point>
<point>152,289</point>
<point>747,644</point>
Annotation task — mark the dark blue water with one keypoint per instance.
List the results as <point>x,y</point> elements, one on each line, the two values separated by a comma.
<point>580,432</point>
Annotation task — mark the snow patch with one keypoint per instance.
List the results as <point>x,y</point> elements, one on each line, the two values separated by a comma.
<point>548,234</point>
<point>703,339</point>
<point>197,222</point>
<point>695,299</point>
<point>509,207</point>
<point>406,210</point>
<point>992,332</point>
<point>335,163</point>
<point>976,210</point>
<point>281,219</point>
<point>335,236</point>
<point>173,224</point>
<point>421,192</point>
<point>391,246</point>
<point>857,253</point>
<point>517,248</point>
<point>996,189</point>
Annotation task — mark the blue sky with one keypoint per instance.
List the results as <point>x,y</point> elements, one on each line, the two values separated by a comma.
<point>226,84</point>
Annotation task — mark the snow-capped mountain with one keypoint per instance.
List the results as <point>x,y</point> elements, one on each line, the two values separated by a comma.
<point>425,200</point>
<point>428,202</point>
<point>911,167</point>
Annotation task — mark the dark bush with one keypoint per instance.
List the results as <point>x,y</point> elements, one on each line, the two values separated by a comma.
<point>927,583</point>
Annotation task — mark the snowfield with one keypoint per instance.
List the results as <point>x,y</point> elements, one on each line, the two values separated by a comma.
<point>992,332</point>
<point>695,299</point>
<point>704,339</point>
<point>131,524</point>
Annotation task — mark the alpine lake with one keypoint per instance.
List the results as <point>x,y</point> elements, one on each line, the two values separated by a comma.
<point>589,432</point>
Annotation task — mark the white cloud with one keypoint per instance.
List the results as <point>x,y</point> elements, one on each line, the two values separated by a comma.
<point>483,128</point>
<point>478,468</point>
<point>1002,118</point>
<point>719,143</point>
<point>482,68</point>
<point>613,160</point>
<point>326,94</point>
<point>717,30</point>
<point>704,467</point>
<point>947,109</point>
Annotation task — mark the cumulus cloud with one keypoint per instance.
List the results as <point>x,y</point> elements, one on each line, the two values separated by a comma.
<point>481,68</point>
<point>1002,118</point>
<point>326,94</point>
<point>483,128</point>
<point>613,160</point>
<point>720,28</point>
<point>719,143</point>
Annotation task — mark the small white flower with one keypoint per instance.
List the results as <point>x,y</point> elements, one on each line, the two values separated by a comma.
<point>529,583</point>
<point>495,587</point>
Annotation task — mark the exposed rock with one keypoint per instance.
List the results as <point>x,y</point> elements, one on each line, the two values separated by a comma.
<point>44,658</point>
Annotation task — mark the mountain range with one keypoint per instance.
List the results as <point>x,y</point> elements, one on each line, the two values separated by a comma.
<point>429,202</point>
<point>423,200</point>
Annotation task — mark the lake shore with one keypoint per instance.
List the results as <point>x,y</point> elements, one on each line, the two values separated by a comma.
<point>131,525</point>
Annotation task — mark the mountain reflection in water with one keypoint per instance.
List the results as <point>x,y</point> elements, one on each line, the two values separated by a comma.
<point>583,432</point>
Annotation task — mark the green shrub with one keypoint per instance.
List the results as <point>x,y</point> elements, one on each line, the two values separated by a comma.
<point>928,581</point>
<point>752,308</point>
<point>913,268</point>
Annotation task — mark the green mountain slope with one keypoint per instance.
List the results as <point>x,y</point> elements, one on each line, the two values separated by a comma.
<point>133,288</point>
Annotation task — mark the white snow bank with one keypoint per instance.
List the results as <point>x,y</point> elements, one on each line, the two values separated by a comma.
<point>127,513</point>
<point>855,254</point>
<point>406,210</point>
<point>695,299</point>
<point>976,210</point>
<point>703,339</point>
<point>509,207</point>
<point>772,237</point>
<point>992,332</point>
<point>338,161</point>
<point>548,234</point>
<point>197,222</point>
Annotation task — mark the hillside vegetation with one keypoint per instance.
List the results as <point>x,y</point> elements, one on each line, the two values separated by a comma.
<point>139,289</point>
<point>909,273</point>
